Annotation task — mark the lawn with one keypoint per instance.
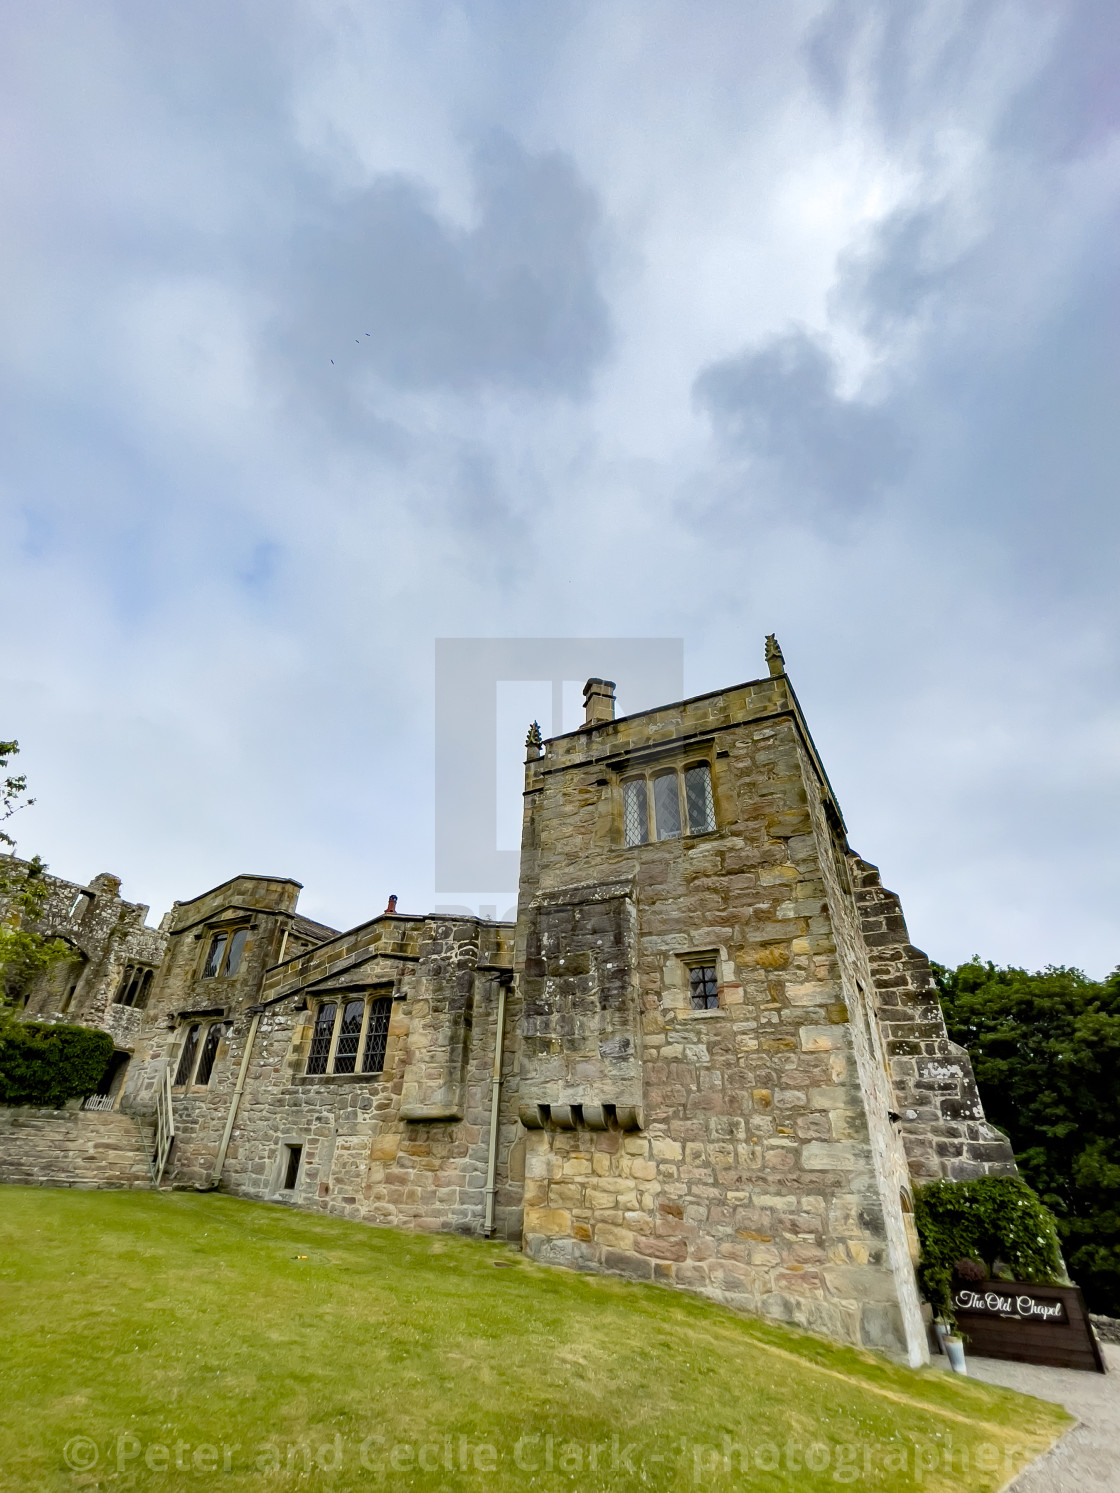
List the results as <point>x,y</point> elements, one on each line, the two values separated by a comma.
<point>180,1341</point>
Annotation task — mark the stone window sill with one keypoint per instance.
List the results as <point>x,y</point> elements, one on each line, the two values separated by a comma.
<point>688,1015</point>
<point>304,1079</point>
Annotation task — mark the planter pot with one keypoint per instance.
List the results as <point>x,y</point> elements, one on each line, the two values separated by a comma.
<point>954,1350</point>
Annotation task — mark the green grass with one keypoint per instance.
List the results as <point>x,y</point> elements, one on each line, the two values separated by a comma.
<point>139,1321</point>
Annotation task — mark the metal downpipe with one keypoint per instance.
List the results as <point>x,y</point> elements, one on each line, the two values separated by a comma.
<point>495,1103</point>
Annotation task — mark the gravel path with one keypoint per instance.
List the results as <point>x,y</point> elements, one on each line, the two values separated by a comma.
<point>1087,1459</point>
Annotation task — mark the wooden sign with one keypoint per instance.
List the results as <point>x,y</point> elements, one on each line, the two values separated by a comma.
<point>1027,1323</point>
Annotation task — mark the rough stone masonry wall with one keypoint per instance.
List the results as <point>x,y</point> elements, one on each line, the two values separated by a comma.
<point>267,905</point>
<point>943,1125</point>
<point>362,1158</point>
<point>751,1180</point>
<point>72,1148</point>
<point>869,1067</point>
<point>107,934</point>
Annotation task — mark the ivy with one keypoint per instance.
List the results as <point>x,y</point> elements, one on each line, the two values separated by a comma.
<point>990,1219</point>
<point>46,1064</point>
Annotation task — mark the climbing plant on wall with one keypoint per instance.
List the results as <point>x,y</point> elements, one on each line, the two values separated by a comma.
<point>987,1220</point>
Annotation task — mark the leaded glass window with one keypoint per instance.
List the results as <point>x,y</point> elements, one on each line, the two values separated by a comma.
<point>186,1060</point>
<point>209,1052</point>
<point>321,1039</point>
<point>214,958</point>
<point>236,944</point>
<point>698,798</point>
<point>377,1035</point>
<point>702,987</point>
<point>635,822</point>
<point>349,1035</point>
<point>666,806</point>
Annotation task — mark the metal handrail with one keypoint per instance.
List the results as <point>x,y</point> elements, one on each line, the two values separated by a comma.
<point>165,1125</point>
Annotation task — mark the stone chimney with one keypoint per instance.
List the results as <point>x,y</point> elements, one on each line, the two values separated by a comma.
<point>598,702</point>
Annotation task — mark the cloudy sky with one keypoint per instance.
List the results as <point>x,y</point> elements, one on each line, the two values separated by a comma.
<point>330,329</point>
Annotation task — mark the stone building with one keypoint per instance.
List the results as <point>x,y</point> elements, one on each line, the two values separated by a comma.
<point>705,1054</point>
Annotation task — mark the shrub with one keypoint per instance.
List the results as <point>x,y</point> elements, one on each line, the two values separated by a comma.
<point>46,1065</point>
<point>1045,1048</point>
<point>989,1219</point>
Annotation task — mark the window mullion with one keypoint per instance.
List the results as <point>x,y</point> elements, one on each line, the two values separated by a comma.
<point>203,1033</point>
<point>360,1055</point>
<point>335,1035</point>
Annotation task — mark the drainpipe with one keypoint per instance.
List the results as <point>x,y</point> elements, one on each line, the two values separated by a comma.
<point>495,1099</point>
<point>220,1159</point>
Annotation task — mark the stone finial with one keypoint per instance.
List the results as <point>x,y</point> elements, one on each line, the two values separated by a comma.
<point>533,743</point>
<point>774,659</point>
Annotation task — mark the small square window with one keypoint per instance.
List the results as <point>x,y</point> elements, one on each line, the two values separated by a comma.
<point>291,1168</point>
<point>702,987</point>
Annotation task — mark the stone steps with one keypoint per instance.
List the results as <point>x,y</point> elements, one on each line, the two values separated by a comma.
<point>73,1148</point>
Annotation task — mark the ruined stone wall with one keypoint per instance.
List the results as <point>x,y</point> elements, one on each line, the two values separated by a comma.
<point>108,936</point>
<point>751,1177</point>
<point>72,1148</point>
<point>935,1094</point>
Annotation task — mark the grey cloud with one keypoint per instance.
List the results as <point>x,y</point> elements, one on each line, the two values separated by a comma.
<point>1072,107</point>
<point>385,287</point>
<point>923,59</point>
<point>912,58</point>
<point>900,275</point>
<point>780,402</point>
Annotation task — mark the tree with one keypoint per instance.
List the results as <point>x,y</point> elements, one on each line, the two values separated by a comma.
<point>24,889</point>
<point>1045,1048</point>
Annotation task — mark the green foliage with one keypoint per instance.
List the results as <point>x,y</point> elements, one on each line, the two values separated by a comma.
<point>989,1219</point>
<point>24,953</point>
<point>46,1064</point>
<point>1045,1048</point>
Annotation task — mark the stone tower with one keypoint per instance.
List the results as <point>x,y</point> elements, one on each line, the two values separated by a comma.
<point>706,1082</point>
